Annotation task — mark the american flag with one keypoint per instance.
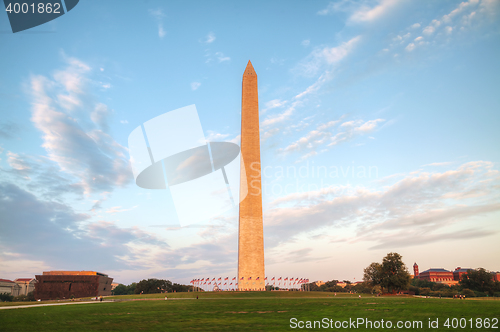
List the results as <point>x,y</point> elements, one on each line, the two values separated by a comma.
<point>234,278</point>
<point>226,278</point>
<point>219,279</point>
<point>279,278</point>
<point>249,278</point>
<point>258,278</point>
<point>286,278</point>
<point>230,284</point>
<point>272,278</point>
<point>265,278</point>
<point>203,279</point>
<point>241,278</point>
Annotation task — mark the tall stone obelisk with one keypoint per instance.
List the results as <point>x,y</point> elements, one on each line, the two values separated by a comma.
<point>251,232</point>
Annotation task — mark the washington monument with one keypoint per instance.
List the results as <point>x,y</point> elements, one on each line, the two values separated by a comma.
<point>251,232</point>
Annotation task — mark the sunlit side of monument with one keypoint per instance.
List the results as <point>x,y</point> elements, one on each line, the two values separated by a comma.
<point>251,275</point>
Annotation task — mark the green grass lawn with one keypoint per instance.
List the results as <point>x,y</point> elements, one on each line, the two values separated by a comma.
<point>252,311</point>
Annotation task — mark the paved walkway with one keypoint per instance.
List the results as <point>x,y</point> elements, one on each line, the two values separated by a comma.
<point>42,305</point>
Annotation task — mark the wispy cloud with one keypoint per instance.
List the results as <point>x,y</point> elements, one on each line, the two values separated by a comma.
<point>210,38</point>
<point>215,136</point>
<point>221,57</point>
<point>74,137</point>
<point>161,32</point>
<point>324,136</point>
<point>360,12</point>
<point>325,56</point>
<point>465,16</point>
<point>421,208</point>
<point>159,16</point>
<point>275,103</point>
<point>195,85</point>
<point>277,118</point>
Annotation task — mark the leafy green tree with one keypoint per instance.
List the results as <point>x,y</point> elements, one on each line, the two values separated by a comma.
<point>392,274</point>
<point>373,274</point>
<point>363,288</point>
<point>395,274</point>
<point>478,280</point>
<point>6,297</point>
<point>121,289</point>
<point>151,286</point>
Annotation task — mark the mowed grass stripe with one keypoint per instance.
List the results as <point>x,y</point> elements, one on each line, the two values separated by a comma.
<point>251,314</point>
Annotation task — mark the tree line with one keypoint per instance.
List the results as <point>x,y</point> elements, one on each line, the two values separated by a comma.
<point>150,286</point>
<point>391,276</point>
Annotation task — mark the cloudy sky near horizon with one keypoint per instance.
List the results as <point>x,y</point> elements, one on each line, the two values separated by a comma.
<point>379,133</point>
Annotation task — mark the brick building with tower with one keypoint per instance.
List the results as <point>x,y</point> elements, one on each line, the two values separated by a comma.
<point>444,276</point>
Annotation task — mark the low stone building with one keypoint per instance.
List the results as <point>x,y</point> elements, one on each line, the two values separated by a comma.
<point>26,285</point>
<point>67,284</point>
<point>9,287</point>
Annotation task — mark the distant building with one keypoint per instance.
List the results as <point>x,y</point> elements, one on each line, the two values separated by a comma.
<point>26,285</point>
<point>319,283</point>
<point>66,284</point>
<point>457,274</point>
<point>438,275</point>
<point>444,276</point>
<point>9,287</point>
<point>113,286</point>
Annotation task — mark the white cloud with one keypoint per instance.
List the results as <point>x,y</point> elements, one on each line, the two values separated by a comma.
<point>312,142</point>
<point>329,56</point>
<point>422,207</point>
<point>352,129</point>
<point>195,85</point>
<point>277,61</point>
<point>367,14</point>
<point>220,56</point>
<point>313,139</point>
<point>275,103</point>
<point>439,164</point>
<point>305,42</point>
<point>410,47</point>
<point>215,137</point>
<point>210,38</point>
<point>159,16</point>
<point>275,119</point>
<point>416,26</point>
<point>123,121</point>
<point>161,32</point>
<point>73,137</point>
<point>157,13</point>
<point>360,12</point>
<point>429,30</point>
<point>419,38</point>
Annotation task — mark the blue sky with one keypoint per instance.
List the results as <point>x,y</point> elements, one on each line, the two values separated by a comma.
<point>394,103</point>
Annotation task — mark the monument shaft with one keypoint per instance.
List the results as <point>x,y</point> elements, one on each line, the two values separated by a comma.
<point>251,232</point>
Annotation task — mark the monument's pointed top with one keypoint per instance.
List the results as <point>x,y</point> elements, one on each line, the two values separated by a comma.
<point>249,69</point>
